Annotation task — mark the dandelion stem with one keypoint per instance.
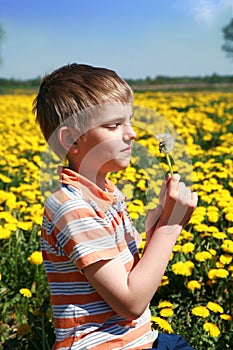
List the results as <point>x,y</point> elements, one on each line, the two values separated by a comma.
<point>169,163</point>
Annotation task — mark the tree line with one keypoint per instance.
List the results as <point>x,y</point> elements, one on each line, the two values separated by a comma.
<point>158,80</point>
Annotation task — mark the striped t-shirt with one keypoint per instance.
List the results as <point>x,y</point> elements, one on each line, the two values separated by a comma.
<point>83,224</point>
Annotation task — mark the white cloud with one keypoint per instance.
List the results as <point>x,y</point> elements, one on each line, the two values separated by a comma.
<point>207,11</point>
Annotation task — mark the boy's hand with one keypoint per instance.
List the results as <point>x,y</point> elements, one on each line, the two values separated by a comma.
<point>154,214</point>
<point>179,203</point>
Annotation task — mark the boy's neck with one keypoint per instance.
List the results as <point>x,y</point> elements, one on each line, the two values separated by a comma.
<point>98,179</point>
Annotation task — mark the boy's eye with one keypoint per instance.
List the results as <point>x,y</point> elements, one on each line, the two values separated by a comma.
<point>112,126</point>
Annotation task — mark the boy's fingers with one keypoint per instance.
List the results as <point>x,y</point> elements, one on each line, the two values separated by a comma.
<point>194,199</point>
<point>173,185</point>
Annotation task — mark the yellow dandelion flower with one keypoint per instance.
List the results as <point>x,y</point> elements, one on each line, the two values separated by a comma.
<point>227,246</point>
<point>230,230</point>
<point>26,292</point>
<point>225,259</point>
<point>214,307</point>
<point>219,235</point>
<point>201,228</point>
<point>165,303</point>
<point>189,264</point>
<point>196,220</point>
<point>142,246</point>
<point>25,225</point>
<point>212,251</point>
<point>47,194</point>
<point>219,265</point>
<point>213,216</point>
<point>212,208</point>
<point>230,268</point>
<point>36,258</point>
<point>192,285</point>
<point>212,329</point>
<point>5,178</point>
<point>217,273</point>
<point>8,217</point>
<point>229,217</point>
<point>136,206</point>
<point>37,219</point>
<point>164,281</point>
<point>203,235</point>
<point>11,226</point>
<point>141,185</point>
<point>222,273</point>
<point>128,191</point>
<point>203,256</point>
<point>162,324</point>
<point>226,317</point>
<point>187,235</point>
<point>212,274</point>
<point>212,229</point>
<point>188,247</point>
<point>177,248</point>
<point>5,233</point>
<point>134,215</point>
<point>183,268</point>
<point>166,312</point>
<point>207,137</point>
<point>200,311</point>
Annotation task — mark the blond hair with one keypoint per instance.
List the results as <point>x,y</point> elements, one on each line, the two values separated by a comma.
<point>69,90</point>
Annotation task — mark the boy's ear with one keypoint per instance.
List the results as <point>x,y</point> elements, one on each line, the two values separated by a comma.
<point>66,138</point>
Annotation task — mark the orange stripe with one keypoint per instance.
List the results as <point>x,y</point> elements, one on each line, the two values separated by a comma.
<point>91,258</point>
<point>76,299</point>
<point>61,196</point>
<point>72,215</point>
<point>70,277</point>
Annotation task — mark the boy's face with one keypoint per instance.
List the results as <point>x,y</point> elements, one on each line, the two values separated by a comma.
<point>106,146</point>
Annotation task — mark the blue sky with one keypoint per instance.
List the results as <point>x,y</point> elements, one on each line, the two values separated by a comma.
<point>135,38</point>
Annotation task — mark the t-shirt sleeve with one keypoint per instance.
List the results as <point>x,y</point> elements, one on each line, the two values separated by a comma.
<point>85,236</point>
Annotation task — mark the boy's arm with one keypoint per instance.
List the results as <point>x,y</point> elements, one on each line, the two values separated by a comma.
<point>129,294</point>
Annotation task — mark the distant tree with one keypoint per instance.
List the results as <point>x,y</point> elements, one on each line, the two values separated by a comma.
<point>228,37</point>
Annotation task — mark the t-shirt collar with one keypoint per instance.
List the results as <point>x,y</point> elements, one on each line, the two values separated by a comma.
<point>89,189</point>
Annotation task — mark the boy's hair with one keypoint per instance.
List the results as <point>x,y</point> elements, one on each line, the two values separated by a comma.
<point>69,90</point>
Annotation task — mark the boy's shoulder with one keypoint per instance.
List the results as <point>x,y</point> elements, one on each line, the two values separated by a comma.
<point>68,192</point>
<point>62,195</point>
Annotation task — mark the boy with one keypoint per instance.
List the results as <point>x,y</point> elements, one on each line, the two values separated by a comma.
<point>100,289</point>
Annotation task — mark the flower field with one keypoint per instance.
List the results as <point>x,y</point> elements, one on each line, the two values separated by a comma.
<point>195,298</point>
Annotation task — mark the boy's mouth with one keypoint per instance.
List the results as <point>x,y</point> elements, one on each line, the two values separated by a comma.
<point>127,149</point>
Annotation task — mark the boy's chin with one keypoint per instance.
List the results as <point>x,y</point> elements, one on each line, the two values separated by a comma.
<point>119,165</point>
<point>122,165</point>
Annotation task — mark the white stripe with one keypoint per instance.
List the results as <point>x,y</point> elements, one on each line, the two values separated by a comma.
<point>69,205</point>
<point>61,267</point>
<point>71,191</point>
<point>103,243</point>
<point>47,247</point>
<point>52,203</point>
<point>77,310</point>
<point>71,288</point>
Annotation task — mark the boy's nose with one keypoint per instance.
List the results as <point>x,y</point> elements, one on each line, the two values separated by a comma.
<point>129,133</point>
